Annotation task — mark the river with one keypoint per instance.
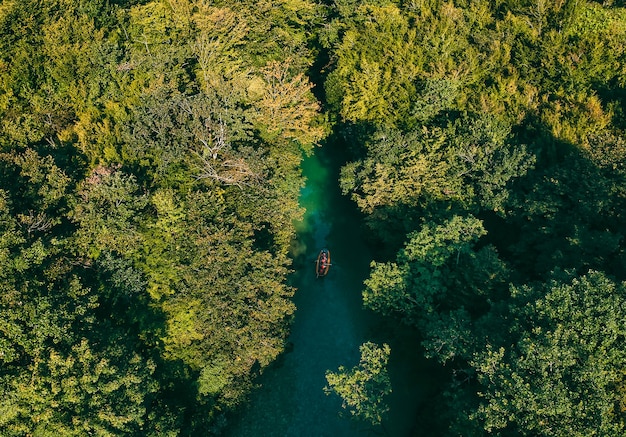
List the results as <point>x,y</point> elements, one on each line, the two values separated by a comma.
<point>329,326</point>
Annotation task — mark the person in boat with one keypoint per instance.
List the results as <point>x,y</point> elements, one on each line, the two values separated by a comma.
<point>323,263</point>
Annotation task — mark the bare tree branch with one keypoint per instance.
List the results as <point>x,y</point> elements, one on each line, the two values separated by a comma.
<point>218,160</point>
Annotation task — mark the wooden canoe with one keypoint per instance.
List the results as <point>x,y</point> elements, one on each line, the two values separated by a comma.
<point>322,265</point>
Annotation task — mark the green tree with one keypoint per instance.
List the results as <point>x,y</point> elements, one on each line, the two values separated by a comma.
<point>385,57</point>
<point>567,215</point>
<point>226,303</point>
<point>559,370</point>
<point>83,391</point>
<point>60,362</point>
<point>440,268</point>
<point>108,212</point>
<point>472,162</point>
<point>364,387</point>
<point>41,189</point>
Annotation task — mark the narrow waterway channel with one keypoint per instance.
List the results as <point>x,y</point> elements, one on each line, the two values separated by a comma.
<point>329,326</point>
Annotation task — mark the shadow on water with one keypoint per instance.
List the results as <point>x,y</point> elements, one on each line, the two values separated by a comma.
<point>329,326</point>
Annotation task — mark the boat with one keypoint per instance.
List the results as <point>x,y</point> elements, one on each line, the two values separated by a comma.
<point>322,265</point>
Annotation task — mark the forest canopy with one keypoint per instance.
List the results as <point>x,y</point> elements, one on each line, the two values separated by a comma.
<point>150,157</point>
<point>488,158</point>
<point>149,181</point>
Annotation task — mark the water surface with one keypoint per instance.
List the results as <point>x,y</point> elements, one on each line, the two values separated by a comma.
<point>329,326</point>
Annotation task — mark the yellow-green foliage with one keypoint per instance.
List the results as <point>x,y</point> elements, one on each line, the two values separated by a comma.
<point>378,61</point>
<point>512,63</point>
<point>151,150</point>
<point>513,111</point>
<point>363,388</point>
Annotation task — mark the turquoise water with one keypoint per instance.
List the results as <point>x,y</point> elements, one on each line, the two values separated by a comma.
<point>329,326</point>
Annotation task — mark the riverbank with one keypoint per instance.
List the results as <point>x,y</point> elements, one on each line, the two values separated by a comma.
<point>329,326</point>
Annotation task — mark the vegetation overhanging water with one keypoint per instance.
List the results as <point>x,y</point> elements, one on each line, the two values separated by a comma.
<point>330,324</point>
<point>150,155</point>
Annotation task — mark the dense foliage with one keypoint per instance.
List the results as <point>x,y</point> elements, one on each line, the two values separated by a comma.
<point>149,174</point>
<point>149,178</point>
<point>364,387</point>
<point>488,141</point>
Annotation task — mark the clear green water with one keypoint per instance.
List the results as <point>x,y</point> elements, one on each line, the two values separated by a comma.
<point>329,326</point>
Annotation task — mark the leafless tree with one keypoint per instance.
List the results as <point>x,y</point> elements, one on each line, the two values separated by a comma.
<point>218,160</point>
